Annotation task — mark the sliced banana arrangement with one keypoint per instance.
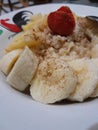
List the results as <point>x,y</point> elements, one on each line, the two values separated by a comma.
<point>54,81</point>
<point>7,62</point>
<point>53,64</point>
<point>87,74</point>
<point>23,70</point>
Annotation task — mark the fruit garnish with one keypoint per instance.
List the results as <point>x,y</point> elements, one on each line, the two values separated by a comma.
<point>65,9</point>
<point>62,21</point>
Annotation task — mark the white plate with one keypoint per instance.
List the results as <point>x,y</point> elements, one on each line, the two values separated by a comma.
<point>20,112</point>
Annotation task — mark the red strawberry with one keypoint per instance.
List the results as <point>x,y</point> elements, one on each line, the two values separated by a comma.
<point>65,9</point>
<point>61,22</point>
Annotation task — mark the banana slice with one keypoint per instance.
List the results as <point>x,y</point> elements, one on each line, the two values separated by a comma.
<point>94,51</point>
<point>54,81</point>
<point>8,60</point>
<point>23,70</point>
<point>95,93</point>
<point>87,74</point>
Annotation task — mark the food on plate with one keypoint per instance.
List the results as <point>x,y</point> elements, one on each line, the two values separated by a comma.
<point>58,59</point>
<point>29,37</point>
<point>23,71</point>
<point>87,74</point>
<point>54,81</point>
<point>62,21</point>
<point>95,93</point>
<point>8,61</point>
<point>25,39</point>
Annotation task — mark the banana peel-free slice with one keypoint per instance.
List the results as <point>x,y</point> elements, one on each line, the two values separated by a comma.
<point>23,70</point>
<point>87,74</point>
<point>8,60</point>
<point>94,51</point>
<point>95,93</point>
<point>54,81</point>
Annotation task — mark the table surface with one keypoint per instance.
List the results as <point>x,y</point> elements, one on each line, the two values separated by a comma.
<point>82,2</point>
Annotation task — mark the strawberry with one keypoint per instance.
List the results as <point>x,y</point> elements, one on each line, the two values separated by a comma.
<point>61,22</point>
<point>65,9</point>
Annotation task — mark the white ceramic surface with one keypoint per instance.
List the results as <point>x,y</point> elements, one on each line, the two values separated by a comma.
<point>20,112</point>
